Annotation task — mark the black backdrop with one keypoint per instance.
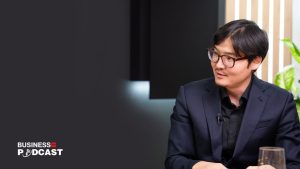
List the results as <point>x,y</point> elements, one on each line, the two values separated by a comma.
<point>64,78</point>
<point>169,41</point>
<point>181,32</point>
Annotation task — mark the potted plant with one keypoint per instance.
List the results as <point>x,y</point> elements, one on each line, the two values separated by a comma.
<point>286,79</point>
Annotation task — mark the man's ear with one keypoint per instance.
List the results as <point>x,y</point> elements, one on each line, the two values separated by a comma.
<point>256,63</point>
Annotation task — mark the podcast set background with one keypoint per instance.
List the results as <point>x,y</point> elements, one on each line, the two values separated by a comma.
<point>68,79</point>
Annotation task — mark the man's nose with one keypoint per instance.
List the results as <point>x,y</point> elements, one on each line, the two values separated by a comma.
<point>220,64</point>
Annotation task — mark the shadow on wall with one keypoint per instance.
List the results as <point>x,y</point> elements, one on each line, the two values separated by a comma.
<point>138,91</point>
<point>154,123</point>
<point>139,134</point>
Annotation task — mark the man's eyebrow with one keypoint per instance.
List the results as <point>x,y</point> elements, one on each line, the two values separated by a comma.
<point>226,53</point>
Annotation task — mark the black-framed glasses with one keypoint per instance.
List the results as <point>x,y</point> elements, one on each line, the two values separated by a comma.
<point>227,61</point>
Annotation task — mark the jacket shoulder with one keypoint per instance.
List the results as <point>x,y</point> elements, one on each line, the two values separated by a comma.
<point>270,88</point>
<point>199,85</point>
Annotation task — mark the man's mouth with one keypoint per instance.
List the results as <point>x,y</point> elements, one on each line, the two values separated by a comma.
<point>220,74</point>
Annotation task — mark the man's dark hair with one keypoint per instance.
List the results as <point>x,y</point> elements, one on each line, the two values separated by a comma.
<point>247,38</point>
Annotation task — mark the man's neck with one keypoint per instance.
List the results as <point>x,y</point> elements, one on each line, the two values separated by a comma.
<point>235,93</point>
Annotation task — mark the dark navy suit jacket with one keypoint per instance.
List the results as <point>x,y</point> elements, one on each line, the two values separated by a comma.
<point>270,119</point>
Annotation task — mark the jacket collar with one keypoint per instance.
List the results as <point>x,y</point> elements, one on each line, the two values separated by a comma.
<point>253,111</point>
<point>252,114</point>
<point>212,108</point>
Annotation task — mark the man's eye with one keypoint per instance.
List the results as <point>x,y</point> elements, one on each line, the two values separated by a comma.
<point>229,58</point>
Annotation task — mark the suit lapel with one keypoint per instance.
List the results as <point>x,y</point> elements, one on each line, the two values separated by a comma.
<point>212,106</point>
<point>252,114</point>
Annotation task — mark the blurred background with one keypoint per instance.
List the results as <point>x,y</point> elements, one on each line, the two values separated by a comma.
<point>87,73</point>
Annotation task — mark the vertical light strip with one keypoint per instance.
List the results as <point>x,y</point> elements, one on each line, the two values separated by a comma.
<point>271,29</point>
<point>274,16</point>
<point>254,13</point>
<point>260,14</point>
<point>287,29</point>
<point>264,66</point>
<point>237,9</point>
<point>230,10</point>
<point>276,27</point>
<point>281,34</point>
<point>248,8</point>
<point>243,9</point>
<point>260,24</point>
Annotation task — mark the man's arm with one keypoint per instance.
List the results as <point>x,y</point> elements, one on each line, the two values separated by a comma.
<point>181,152</point>
<point>288,135</point>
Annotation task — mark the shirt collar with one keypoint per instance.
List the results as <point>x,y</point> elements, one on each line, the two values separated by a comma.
<point>245,96</point>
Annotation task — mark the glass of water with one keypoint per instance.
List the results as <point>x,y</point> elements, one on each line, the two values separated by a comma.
<point>273,156</point>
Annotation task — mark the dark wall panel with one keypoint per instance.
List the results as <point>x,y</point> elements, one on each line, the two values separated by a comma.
<point>181,31</point>
<point>140,40</point>
<point>64,71</point>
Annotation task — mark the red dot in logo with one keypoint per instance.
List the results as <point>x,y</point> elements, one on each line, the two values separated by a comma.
<point>53,144</point>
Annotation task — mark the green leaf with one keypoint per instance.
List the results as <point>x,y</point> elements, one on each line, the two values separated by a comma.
<point>295,91</point>
<point>293,49</point>
<point>285,79</point>
<point>298,106</point>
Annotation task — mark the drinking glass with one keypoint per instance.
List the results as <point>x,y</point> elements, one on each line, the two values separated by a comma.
<point>273,156</point>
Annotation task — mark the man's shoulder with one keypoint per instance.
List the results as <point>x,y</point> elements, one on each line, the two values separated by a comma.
<point>202,84</point>
<point>270,88</point>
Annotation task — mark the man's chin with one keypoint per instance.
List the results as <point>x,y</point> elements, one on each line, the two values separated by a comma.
<point>220,82</point>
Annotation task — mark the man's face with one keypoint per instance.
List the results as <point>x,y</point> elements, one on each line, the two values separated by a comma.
<point>238,76</point>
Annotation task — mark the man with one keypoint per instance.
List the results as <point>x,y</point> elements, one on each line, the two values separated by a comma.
<point>221,122</point>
